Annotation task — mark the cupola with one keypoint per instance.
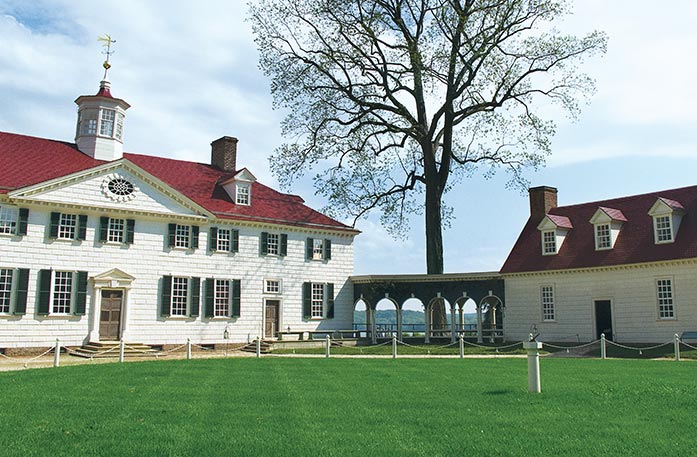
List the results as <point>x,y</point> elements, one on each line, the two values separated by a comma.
<point>100,118</point>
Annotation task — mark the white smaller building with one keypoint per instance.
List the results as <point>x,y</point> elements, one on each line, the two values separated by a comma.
<point>625,267</point>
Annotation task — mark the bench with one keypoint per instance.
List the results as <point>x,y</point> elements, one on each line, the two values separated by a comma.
<point>352,333</point>
<point>313,333</point>
<point>691,335</point>
<point>300,334</point>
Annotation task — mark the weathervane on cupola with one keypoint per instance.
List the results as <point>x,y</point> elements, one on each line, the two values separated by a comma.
<point>100,117</point>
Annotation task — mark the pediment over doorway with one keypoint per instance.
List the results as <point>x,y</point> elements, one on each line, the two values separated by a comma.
<point>113,278</point>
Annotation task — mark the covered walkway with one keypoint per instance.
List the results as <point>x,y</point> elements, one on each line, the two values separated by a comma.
<point>460,293</point>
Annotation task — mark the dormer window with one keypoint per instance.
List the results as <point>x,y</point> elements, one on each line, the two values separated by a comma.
<point>667,215</point>
<point>553,231</point>
<point>242,194</point>
<point>607,223</point>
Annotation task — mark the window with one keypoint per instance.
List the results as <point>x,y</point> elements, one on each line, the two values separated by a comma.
<point>318,300</point>
<point>272,286</point>
<point>664,292</point>
<point>68,226</point>
<point>115,230</point>
<point>180,296</point>
<point>183,236</point>
<point>88,122</point>
<point>222,298</point>
<point>549,242</point>
<point>8,220</point>
<point>5,290</point>
<point>223,240</point>
<point>547,293</point>
<point>106,127</point>
<point>13,290</point>
<point>318,249</point>
<point>62,292</point>
<point>274,244</point>
<point>118,134</point>
<point>664,229</point>
<point>242,194</point>
<point>603,240</point>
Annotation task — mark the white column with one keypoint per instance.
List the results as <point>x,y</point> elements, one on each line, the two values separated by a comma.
<point>125,327</point>
<point>399,324</point>
<point>533,348</point>
<point>452,322</point>
<point>96,312</point>
<point>427,334</point>
<point>373,328</point>
<point>479,324</point>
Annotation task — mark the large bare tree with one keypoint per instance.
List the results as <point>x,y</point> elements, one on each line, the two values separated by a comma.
<point>395,101</point>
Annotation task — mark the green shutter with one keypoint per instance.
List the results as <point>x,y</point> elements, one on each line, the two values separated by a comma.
<point>329,290</point>
<point>234,240</point>
<point>23,221</point>
<point>55,220</point>
<point>327,249</point>
<point>236,294</point>
<point>213,239</point>
<point>166,296</point>
<point>22,286</point>
<point>194,237</point>
<point>81,297</point>
<point>209,285</point>
<point>81,227</point>
<point>172,231</point>
<point>44,292</point>
<point>307,300</point>
<point>130,230</point>
<point>194,296</point>
<point>284,245</point>
<point>103,228</point>
<point>264,243</point>
<point>309,248</point>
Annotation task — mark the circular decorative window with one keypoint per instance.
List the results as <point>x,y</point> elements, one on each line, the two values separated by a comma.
<point>118,188</point>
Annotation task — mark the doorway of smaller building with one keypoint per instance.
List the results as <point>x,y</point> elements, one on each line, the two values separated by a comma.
<point>272,318</point>
<point>110,317</point>
<point>603,318</point>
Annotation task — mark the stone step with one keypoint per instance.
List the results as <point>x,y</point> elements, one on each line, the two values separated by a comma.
<point>106,349</point>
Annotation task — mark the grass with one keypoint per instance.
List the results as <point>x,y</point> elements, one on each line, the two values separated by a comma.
<point>345,407</point>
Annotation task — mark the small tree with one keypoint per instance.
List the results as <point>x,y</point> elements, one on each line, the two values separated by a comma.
<point>398,100</point>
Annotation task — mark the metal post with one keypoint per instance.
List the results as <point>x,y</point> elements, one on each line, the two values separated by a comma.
<point>328,343</point>
<point>603,353</point>
<point>57,354</point>
<point>676,342</point>
<point>188,349</point>
<point>258,347</point>
<point>462,347</point>
<point>121,350</point>
<point>533,348</point>
<point>394,347</point>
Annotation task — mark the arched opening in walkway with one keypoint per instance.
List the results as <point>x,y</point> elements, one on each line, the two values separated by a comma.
<point>467,317</point>
<point>413,318</point>
<point>492,318</point>
<point>442,328</point>
<point>386,318</point>
<point>361,320</point>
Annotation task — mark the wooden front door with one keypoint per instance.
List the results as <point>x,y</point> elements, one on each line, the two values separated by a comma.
<point>272,318</point>
<point>110,318</point>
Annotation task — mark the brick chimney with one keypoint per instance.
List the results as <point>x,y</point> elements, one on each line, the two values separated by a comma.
<point>542,199</point>
<point>224,153</point>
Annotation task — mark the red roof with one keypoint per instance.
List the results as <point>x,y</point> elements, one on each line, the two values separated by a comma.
<point>635,243</point>
<point>26,160</point>
<point>614,214</point>
<point>560,221</point>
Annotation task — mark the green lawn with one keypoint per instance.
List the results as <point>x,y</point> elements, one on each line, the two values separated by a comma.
<point>346,407</point>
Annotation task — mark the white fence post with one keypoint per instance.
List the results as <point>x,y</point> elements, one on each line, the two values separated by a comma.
<point>328,342</point>
<point>57,354</point>
<point>188,349</point>
<point>122,347</point>
<point>394,347</point>
<point>603,349</point>
<point>462,347</point>
<point>258,347</point>
<point>676,342</point>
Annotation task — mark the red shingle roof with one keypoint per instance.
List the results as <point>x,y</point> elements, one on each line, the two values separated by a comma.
<point>26,160</point>
<point>635,243</point>
<point>614,214</point>
<point>561,221</point>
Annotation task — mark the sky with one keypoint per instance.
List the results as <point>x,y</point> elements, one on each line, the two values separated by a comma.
<point>190,73</point>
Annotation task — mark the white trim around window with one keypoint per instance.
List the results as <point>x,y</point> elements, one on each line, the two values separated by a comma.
<point>273,286</point>
<point>665,298</point>
<point>547,303</point>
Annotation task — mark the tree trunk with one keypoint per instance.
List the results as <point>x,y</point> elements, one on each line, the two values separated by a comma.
<point>434,246</point>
